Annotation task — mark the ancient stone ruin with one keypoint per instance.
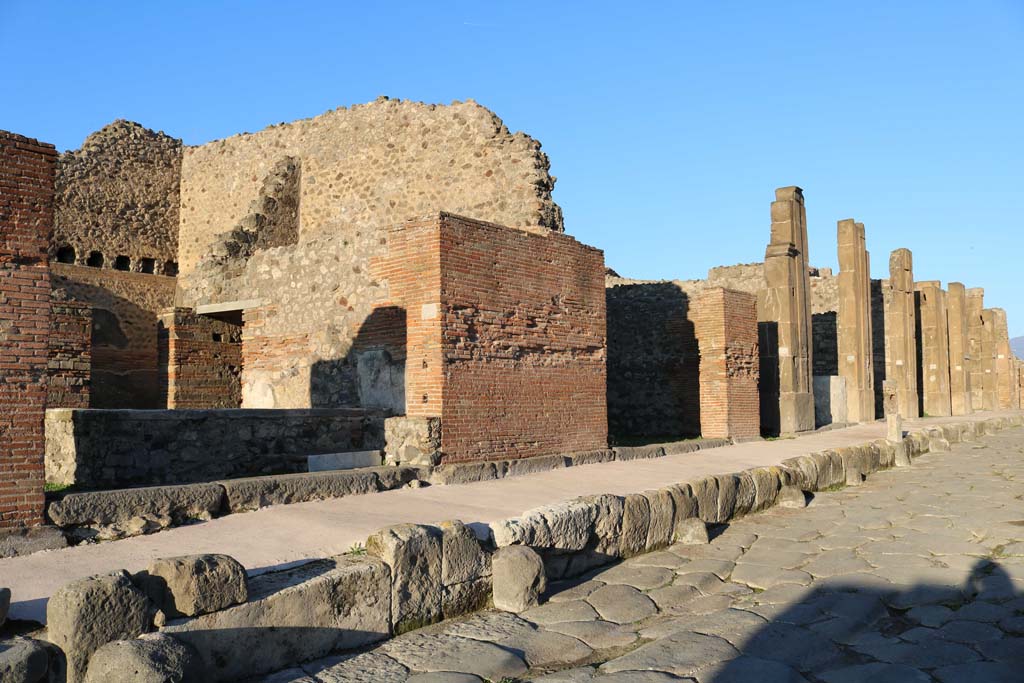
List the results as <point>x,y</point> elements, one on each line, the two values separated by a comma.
<point>386,296</point>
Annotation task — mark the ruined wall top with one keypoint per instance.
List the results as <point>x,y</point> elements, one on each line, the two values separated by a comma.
<point>369,166</point>
<point>118,195</point>
<point>901,270</point>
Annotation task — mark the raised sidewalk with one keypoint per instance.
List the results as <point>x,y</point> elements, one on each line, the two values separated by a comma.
<point>276,536</point>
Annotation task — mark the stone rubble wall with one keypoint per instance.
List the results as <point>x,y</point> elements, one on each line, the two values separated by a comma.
<point>126,369</point>
<point>368,166</point>
<point>26,223</point>
<point>412,575</point>
<point>94,449</point>
<point>118,195</point>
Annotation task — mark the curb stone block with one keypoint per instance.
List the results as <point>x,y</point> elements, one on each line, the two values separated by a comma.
<point>692,532</point>
<point>636,523</point>
<point>886,453</point>
<point>792,497</point>
<point>194,584</point>
<point>607,524</point>
<point>544,463</point>
<point>465,570</point>
<point>805,471</point>
<point>88,613</point>
<point>705,493</point>
<point>684,504</point>
<point>638,452</point>
<point>591,457</point>
<point>662,507</point>
<point>745,493</point>
<point>413,553</point>
<point>767,482</point>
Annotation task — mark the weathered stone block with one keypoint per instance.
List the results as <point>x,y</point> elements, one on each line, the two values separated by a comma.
<point>194,584</point>
<point>91,612</point>
<point>543,463</point>
<point>728,492</point>
<point>253,493</point>
<point>326,462</point>
<point>791,497</point>
<point>591,457</point>
<point>293,616</point>
<point>413,553</point>
<point>119,513</point>
<point>23,660</point>
<point>412,440</point>
<point>462,557</point>
<point>705,492</point>
<point>636,523</point>
<point>683,502</point>
<point>805,469</point>
<point>638,452</point>
<point>151,658</point>
<point>467,473</point>
<point>607,530</point>
<point>519,578</point>
<point>766,487</point>
<point>691,531</point>
<point>662,519</point>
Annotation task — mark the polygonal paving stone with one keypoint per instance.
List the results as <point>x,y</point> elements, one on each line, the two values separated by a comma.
<point>621,604</point>
<point>440,652</point>
<point>979,672</point>
<point>876,672</point>
<point>703,605</point>
<point>932,616</point>
<point>566,593</point>
<point>444,677</point>
<point>783,559</point>
<point>705,582</point>
<point>712,550</point>
<point>720,568</point>
<point>673,596</point>
<point>555,612</point>
<point>640,577</point>
<point>660,558</point>
<point>968,632</point>
<point>580,675</point>
<point>682,653</point>
<point>599,635</point>
<point>1008,650</point>
<point>764,576</point>
<point>536,647</point>
<point>734,625</point>
<point>348,669</point>
<point>745,669</point>
<point>928,653</point>
<point>1013,625</point>
<point>798,647</point>
<point>835,563</point>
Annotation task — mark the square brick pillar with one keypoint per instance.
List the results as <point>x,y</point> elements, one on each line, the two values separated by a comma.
<point>933,354</point>
<point>856,358</point>
<point>785,303</point>
<point>975,358</point>
<point>725,324</point>
<point>959,374</point>
<point>26,224</point>
<point>900,333</point>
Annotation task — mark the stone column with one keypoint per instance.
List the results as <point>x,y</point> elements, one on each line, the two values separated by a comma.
<point>975,364</point>
<point>786,303</point>
<point>856,363</point>
<point>989,387</point>
<point>1006,387</point>
<point>900,328</point>
<point>933,354</point>
<point>956,326</point>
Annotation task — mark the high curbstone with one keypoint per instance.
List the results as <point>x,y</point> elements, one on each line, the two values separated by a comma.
<point>684,504</point>
<point>791,497</point>
<point>468,473</point>
<point>543,463</point>
<point>24,660</point>
<point>293,615</point>
<point>804,469</point>
<point>767,484</point>
<point>886,453</point>
<point>745,493</point>
<point>413,553</point>
<point>662,507</point>
<point>89,613</point>
<point>638,452</point>
<point>590,457</point>
<point>519,578</point>
<point>830,470</point>
<point>465,570</point>
<point>636,523</point>
<point>901,455</point>
<point>705,493</point>
<point>692,531</point>
<point>853,465</point>
<point>191,585</point>
<point>151,658</point>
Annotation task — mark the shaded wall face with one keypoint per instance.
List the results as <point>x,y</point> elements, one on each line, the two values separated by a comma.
<point>524,343</point>
<point>653,362</point>
<point>26,223</point>
<point>126,369</point>
<point>70,355</point>
<point>371,166</point>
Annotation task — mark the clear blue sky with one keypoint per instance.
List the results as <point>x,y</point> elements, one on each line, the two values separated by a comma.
<point>668,124</point>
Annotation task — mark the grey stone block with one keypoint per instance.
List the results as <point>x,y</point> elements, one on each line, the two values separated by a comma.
<point>467,473</point>
<point>691,531</point>
<point>194,584</point>
<point>638,452</point>
<point>636,523</point>
<point>89,613</point>
<point>327,462</point>
<point>544,463</point>
<point>23,660</point>
<point>151,658</point>
<point>126,512</point>
<point>519,578</point>
<point>252,493</point>
<point>292,616</point>
<point>413,553</point>
<point>662,521</point>
<point>591,457</point>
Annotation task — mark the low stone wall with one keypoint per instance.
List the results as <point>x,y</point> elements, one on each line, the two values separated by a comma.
<point>412,575</point>
<point>96,449</point>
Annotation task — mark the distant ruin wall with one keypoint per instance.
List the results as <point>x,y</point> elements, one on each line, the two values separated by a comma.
<point>118,196</point>
<point>122,448</point>
<point>367,167</point>
<point>26,223</point>
<point>125,365</point>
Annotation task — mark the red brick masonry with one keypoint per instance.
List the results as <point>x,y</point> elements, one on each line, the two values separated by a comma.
<point>26,222</point>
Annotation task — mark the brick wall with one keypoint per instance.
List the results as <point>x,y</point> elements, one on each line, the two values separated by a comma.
<point>725,322</point>
<point>505,336</point>
<point>26,223</point>
<point>70,354</point>
<point>203,359</point>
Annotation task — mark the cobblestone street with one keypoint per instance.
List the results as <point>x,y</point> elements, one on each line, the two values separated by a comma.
<point>916,575</point>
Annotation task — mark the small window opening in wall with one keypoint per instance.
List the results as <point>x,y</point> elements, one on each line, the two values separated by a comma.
<point>217,337</point>
<point>171,268</point>
<point>122,263</point>
<point>148,265</point>
<point>66,255</point>
<point>95,259</point>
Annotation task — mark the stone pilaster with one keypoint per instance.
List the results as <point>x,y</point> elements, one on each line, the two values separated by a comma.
<point>856,364</point>
<point>900,327</point>
<point>956,326</point>
<point>1006,386</point>
<point>975,364</point>
<point>933,353</point>
<point>989,386</point>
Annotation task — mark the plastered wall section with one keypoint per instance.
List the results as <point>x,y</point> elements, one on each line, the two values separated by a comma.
<point>370,166</point>
<point>26,224</point>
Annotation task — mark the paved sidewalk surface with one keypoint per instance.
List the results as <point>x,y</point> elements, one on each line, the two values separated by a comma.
<point>917,575</point>
<point>277,536</point>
